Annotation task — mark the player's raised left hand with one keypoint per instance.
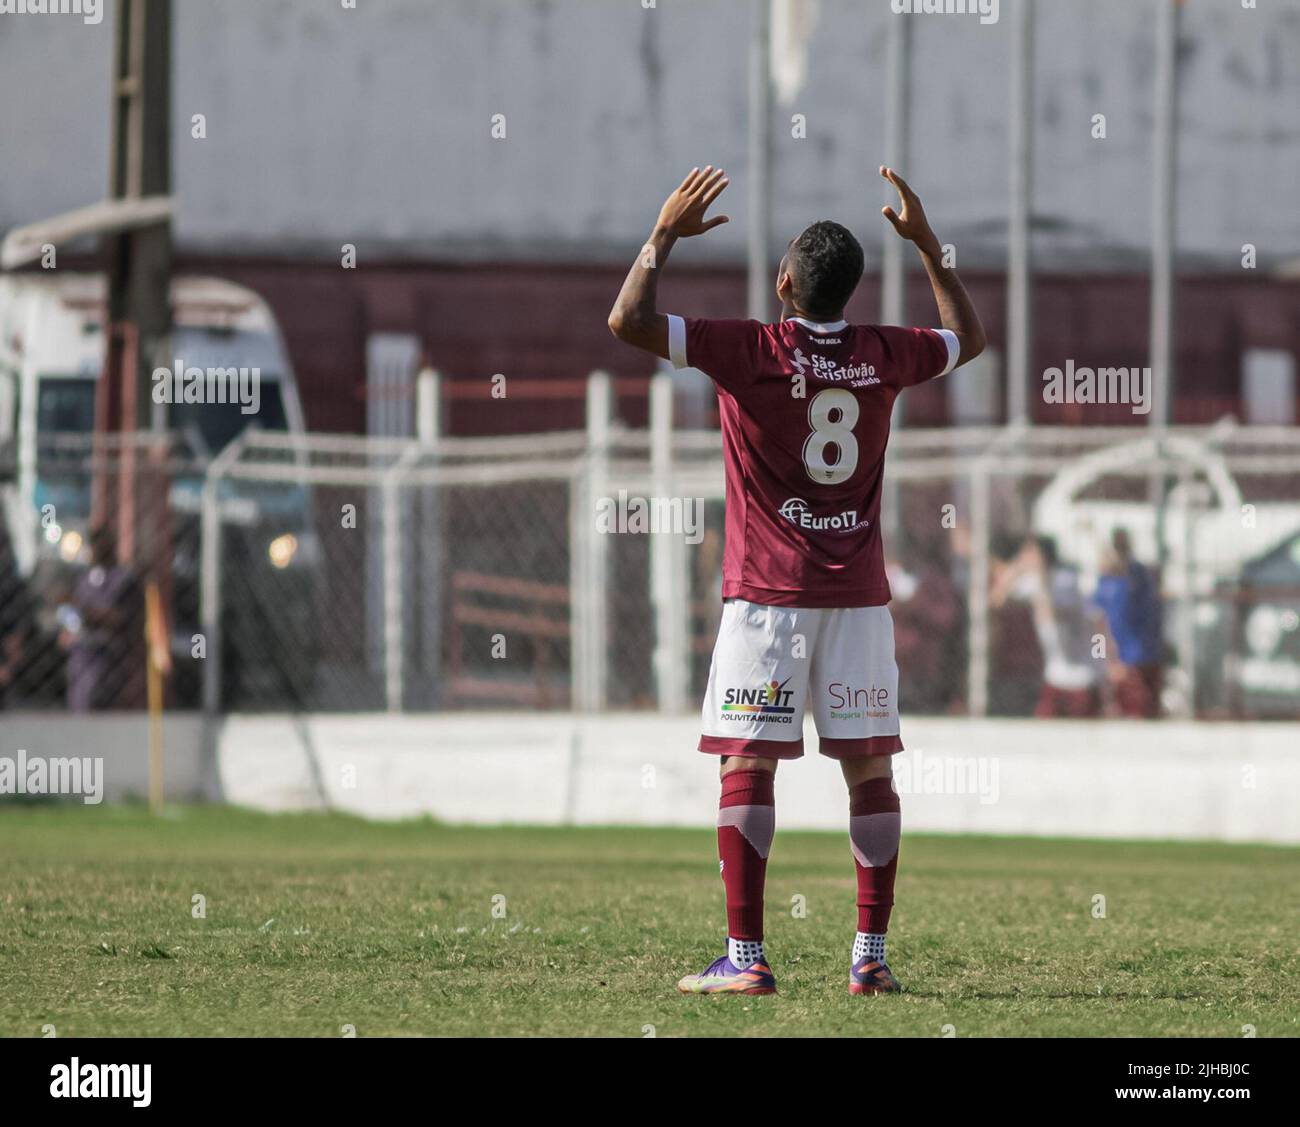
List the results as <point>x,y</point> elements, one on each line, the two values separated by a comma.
<point>683,212</point>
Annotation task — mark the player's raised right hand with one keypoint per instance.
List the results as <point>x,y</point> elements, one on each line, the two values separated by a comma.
<point>911,222</point>
<point>682,215</point>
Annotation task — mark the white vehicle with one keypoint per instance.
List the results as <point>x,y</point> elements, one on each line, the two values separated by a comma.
<point>51,358</point>
<point>1207,542</point>
<point>1237,651</point>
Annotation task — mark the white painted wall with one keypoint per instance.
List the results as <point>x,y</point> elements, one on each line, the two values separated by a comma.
<point>328,125</point>
<point>1227,782</point>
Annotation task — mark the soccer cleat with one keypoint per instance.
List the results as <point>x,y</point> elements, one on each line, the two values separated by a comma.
<point>723,977</point>
<point>870,976</point>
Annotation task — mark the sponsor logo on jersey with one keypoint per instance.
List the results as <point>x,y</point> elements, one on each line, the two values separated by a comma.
<point>825,368</point>
<point>855,375</point>
<point>849,703</point>
<point>797,512</point>
<point>768,704</point>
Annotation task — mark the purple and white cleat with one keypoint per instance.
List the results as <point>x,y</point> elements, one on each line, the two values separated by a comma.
<point>722,976</point>
<point>871,976</point>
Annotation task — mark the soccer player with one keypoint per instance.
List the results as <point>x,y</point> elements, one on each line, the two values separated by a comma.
<point>805,406</point>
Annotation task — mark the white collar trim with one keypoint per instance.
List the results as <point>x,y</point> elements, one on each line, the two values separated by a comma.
<point>813,327</point>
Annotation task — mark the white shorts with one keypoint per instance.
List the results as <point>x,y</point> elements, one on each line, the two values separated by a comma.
<point>769,662</point>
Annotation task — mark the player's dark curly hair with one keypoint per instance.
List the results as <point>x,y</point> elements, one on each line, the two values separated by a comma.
<point>825,264</point>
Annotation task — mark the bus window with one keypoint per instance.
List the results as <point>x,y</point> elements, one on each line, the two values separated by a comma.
<point>220,423</point>
<point>65,406</point>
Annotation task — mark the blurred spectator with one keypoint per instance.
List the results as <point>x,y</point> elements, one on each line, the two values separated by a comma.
<point>1063,624</point>
<point>1015,657</point>
<point>1127,596</point>
<point>929,632</point>
<point>103,632</point>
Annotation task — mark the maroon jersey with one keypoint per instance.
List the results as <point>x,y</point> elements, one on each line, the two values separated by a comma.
<point>805,419</point>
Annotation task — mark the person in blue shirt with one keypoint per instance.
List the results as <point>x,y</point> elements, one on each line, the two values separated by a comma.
<point>1126,594</point>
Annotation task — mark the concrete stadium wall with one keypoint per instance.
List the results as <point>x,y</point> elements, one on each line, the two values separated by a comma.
<point>371,125</point>
<point>1117,779</point>
<point>121,740</point>
<point>1226,782</point>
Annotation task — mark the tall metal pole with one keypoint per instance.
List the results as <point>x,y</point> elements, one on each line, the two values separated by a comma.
<point>1019,266</point>
<point>1164,205</point>
<point>139,262</point>
<point>893,265</point>
<point>761,283</point>
<point>893,298</point>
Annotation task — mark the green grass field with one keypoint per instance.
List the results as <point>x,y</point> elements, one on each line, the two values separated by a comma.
<point>317,922</point>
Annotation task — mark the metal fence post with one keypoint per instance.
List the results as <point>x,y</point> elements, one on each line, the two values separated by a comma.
<point>210,572</point>
<point>394,571</point>
<point>977,676</point>
<point>210,593</point>
<point>668,559</point>
<point>1189,509</point>
<point>588,553</point>
<point>428,404</point>
<point>430,548</point>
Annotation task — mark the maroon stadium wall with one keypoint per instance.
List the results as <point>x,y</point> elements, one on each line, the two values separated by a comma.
<point>543,322</point>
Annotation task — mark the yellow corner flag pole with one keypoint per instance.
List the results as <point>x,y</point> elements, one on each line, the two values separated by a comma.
<point>159,661</point>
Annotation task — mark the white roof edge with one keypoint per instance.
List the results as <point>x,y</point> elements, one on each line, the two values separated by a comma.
<point>23,244</point>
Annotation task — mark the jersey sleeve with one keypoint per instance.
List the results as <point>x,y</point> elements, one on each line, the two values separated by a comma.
<point>726,351</point>
<point>917,355</point>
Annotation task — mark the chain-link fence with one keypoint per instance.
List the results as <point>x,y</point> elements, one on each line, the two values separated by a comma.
<point>99,561</point>
<point>1118,573</point>
<point>1076,572</point>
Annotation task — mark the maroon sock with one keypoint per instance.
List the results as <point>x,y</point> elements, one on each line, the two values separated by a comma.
<point>874,828</point>
<point>746,821</point>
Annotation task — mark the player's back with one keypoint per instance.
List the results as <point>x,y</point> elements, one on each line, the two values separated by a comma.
<point>805,411</point>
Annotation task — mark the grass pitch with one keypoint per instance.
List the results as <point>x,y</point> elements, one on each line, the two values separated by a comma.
<point>316,922</point>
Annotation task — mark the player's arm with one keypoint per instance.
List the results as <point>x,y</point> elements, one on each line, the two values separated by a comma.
<point>956,313</point>
<point>635,319</point>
